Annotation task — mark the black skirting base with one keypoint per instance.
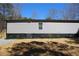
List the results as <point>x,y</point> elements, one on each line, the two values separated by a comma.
<point>24,36</point>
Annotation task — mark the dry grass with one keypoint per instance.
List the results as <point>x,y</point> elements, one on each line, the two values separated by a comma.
<point>48,47</point>
<point>36,48</point>
<point>58,46</point>
<point>3,34</point>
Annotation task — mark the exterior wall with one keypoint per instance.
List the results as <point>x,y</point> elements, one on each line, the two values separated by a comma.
<point>48,28</point>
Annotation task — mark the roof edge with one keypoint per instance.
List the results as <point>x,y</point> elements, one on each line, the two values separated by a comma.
<point>70,21</point>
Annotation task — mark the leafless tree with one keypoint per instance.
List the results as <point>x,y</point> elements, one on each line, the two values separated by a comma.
<point>6,13</point>
<point>34,14</point>
<point>73,11</point>
<point>51,14</point>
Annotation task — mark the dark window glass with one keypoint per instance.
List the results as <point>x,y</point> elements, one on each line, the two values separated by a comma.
<point>40,25</point>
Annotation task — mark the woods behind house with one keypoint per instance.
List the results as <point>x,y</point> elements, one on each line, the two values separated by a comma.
<point>10,11</point>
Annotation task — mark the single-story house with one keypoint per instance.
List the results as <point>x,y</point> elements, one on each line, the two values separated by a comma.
<point>42,28</point>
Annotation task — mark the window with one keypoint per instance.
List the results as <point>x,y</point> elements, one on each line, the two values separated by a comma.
<point>40,25</point>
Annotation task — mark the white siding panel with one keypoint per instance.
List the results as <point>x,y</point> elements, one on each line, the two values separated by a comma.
<point>48,27</point>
